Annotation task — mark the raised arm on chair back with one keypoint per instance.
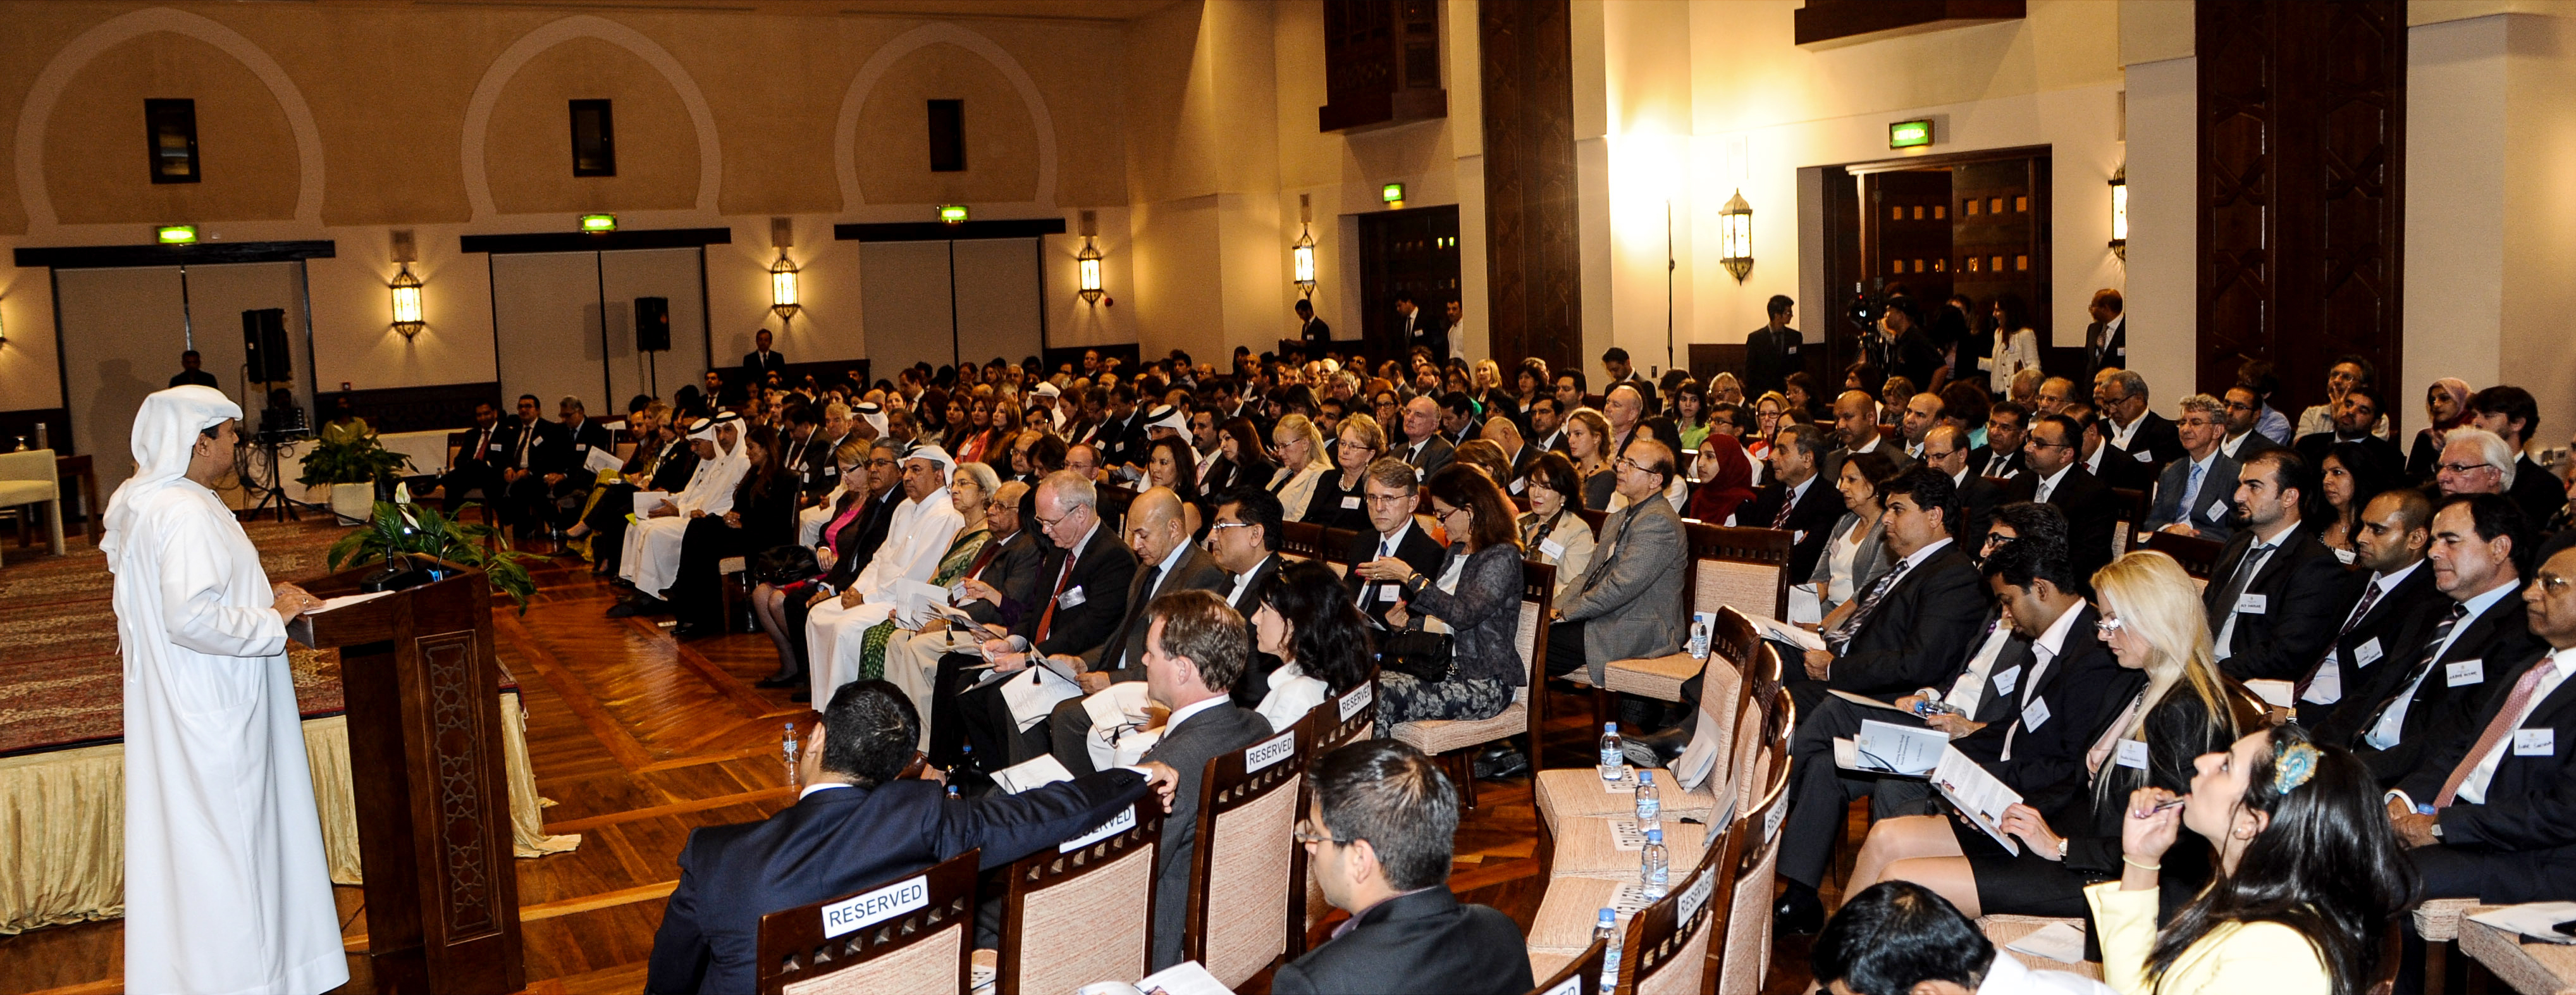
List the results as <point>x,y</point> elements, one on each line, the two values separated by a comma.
<point>912,934</point>
<point>1082,913</point>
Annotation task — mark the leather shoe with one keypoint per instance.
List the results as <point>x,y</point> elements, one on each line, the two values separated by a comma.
<point>1662,748</point>
<point>1500,761</point>
<point>626,609</point>
<point>782,681</point>
<point>1799,912</point>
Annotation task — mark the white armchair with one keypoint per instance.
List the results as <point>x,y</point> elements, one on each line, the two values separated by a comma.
<point>28,478</point>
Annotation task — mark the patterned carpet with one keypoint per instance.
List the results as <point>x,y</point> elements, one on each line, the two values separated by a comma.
<point>60,675</point>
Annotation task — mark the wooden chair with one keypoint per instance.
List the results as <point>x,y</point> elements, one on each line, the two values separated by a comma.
<point>1451,739</point>
<point>838,946</point>
<point>1579,975</point>
<point>1337,549</point>
<point>1592,518</point>
<point>1736,650</point>
<point>2198,556</point>
<point>1727,567</point>
<point>2133,509</point>
<point>1113,509</point>
<point>1303,540</point>
<point>1083,912</point>
<point>1753,854</point>
<point>1341,720</point>
<point>1239,883</point>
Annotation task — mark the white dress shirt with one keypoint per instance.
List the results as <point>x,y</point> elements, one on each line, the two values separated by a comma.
<point>2327,688</point>
<point>2474,789</point>
<point>2257,556</point>
<point>2048,485</point>
<point>2392,723</point>
<point>2043,651</point>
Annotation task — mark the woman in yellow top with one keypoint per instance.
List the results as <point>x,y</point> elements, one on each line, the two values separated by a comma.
<point>2309,876</point>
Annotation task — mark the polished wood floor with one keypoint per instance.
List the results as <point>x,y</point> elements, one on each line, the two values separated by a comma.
<point>639,738</point>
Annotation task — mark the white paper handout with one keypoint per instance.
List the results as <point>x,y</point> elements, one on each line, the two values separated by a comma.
<point>2531,919</point>
<point>912,599</point>
<point>1033,692</point>
<point>646,501</point>
<point>346,600</point>
<point>1184,978</point>
<point>1774,629</point>
<point>2060,941</point>
<point>1044,770</point>
<point>1979,797</point>
<point>1805,605</point>
<point>600,459</point>
<point>1888,748</point>
<point>2277,694</point>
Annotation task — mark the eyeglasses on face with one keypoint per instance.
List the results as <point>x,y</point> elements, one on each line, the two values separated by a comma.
<point>2108,626</point>
<point>1305,832</point>
<point>2464,467</point>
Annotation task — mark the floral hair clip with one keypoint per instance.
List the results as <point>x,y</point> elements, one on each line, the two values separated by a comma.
<point>2297,763</point>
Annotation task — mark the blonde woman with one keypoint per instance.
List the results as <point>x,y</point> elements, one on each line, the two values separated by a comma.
<point>1587,436</point>
<point>1300,447</point>
<point>1339,499</point>
<point>2167,708</point>
<point>1489,376</point>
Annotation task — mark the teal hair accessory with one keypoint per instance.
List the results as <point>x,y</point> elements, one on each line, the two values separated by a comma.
<point>2297,763</point>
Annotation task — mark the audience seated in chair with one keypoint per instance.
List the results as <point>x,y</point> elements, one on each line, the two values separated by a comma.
<point>651,557</point>
<point>1473,595</point>
<point>2483,629</point>
<point>2272,595</point>
<point>1628,605</point>
<point>1316,634</point>
<point>1900,938</point>
<point>1168,563</point>
<point>918,539</point>
<point>1378,836</point>
<point>1084,583</point>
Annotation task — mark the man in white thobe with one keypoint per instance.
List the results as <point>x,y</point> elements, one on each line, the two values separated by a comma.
<point>226,885</point>
<point>917,537</point>
<point>652,554</point>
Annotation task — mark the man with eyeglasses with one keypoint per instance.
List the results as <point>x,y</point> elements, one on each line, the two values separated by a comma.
<point>2190,496</point>
<point>2475,461</point>
<point>1391,493</point>
<point>2050,453</point>
<point>1628,605</point>
<point>1158,532</point>
<point>2483,630</point>
<point>2512,415</point>
<point>1087,576</point>
<point>1379,834</point>
<point>1245,542</point>
<point>1945,448</point>
<point>2244,413</point>
<point>2271,597</point>
<point>2141,441</point>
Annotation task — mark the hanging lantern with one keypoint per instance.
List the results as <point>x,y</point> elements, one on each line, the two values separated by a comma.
<point>1735,236</point>
<point>783,298</point>
<point>407,318</point>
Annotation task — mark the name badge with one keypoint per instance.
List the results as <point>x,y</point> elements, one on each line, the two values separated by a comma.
<point>2535,742</point>
<point>831,471</point>
<point>582,448</point>
<point>2367,653</point>
<point>2465,672</point>
<point>956,592</point>
<point>2252,604</point>
<point>1071,598</point>
<point>2008,680</point>
<point>2146,457</point>
<point>2035,714</point>
<point>1350,503</point>
<point>1551,547</point>
<point>2133,753</point>
<point>1518,484</point>
<point>2217,510</point>
<point>1389,593</point>
<point>1793,350</point>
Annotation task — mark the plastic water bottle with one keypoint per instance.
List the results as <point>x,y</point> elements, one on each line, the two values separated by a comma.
<point>1650,803</point>
<point>1658,866</point>
<point>952,793</point>
<point>792,751</point>
<point>1608,929</point>
<point>1614,754</point>
<point>1699,636</point>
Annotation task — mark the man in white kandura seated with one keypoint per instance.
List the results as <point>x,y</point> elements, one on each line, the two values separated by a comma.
<point>652,554</point>
<point>916,538</point>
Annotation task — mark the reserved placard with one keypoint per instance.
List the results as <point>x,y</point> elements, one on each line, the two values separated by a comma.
<point>1270,751</point>
<point>861,911</point>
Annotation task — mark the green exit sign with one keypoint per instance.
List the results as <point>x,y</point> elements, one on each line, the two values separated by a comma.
<point>1909,134</point>
<point>599,224</point>
<point>1392,193</point>
<point>954,214</point>
<point>175,234</point>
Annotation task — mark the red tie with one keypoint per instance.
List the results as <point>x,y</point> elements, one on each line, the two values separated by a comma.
<point>1788,500</point>
<point>2506,718</point>
<point>1047,619</point>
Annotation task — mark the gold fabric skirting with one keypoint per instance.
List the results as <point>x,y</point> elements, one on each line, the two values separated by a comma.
<point>62,821</point>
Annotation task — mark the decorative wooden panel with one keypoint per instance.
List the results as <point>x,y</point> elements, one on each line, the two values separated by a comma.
<point>1534,279</point>
<point>1413,250</point>
<point>2302,132</point>
<point>1381,64</point>
<point>1835,23</point>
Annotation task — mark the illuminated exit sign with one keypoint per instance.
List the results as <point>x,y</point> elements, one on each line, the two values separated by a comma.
<point>1909,134</point>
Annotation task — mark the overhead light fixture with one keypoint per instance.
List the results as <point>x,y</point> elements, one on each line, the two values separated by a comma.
<point>952,214</point>
<point>1301,254</point>
<point>598,224</point>
<point>1087,262</point>
<point>175,235</point>
<point>2120,213</point>
<point>1392,193</point>
<point>407,318</point>
<point>1735,236</point>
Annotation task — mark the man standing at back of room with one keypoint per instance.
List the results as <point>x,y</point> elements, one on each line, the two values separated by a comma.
<point>1771,352</point>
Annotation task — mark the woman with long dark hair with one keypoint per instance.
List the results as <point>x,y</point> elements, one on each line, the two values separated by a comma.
<point>2348,477</point>
<point>763,516</point>
<point>1246,461</point>
<point>2309,875</point>
<point>1553,533</point>
<point>1307,620</point>
<point>1476,599</point>
<point>1170,464</point>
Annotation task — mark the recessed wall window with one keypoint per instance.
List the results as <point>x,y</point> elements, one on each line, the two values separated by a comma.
<point>594,139</point>
<point>948,136</point>
<point>171,127</point>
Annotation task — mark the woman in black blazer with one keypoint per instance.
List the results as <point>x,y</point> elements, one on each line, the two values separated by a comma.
<point>1476,598</point>
<point>1341,497</point>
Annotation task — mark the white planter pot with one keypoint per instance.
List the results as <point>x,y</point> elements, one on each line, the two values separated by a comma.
<point>353,502</point>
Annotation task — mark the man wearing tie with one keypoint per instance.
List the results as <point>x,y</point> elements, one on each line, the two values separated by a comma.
<point>2000,457</point>
<point>2487,816</point>
<point>2053,478</point>
<point>2484,630</point>
<point>477,465</point>
<point>1312,330</point>
<point>1392,493</point>
<point>1423,448</point>
<point>760,362</point>
<point>1168,562</point>
<point>2271,596</point>
<point>1245,542</point>
<point>1419,329</point>
<point>2396,608</point>
<point>2185,502</point>
<point>2106,340</point>
<point>538,450</point>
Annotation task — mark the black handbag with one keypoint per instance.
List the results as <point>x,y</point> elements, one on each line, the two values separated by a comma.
<point>1427,656</point>
<point>779,566</point>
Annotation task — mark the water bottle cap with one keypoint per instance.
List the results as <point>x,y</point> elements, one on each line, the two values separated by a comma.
<point>1645,777</point>
<point>1609,727</point>
<point>1654,836</point>
<point>1609,916</point>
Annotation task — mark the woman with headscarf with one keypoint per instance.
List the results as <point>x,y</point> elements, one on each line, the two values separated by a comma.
<point>227,887</point>
<point>2446,407</point>
<point>1726,480</point>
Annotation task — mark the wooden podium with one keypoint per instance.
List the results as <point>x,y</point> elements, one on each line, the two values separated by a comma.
<point>425,750</point>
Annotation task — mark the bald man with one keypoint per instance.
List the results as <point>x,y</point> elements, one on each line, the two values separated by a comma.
<point>1422,448</point>
<point>1501,432</point>
<point>1167,561</point>
<point>1856,431</point>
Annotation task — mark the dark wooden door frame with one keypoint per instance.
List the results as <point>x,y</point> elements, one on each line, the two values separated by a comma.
<point>1377,303</point>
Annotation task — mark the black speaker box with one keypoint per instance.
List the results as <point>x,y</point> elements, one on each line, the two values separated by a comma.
<point>264,346</point>
<point>652,324</point>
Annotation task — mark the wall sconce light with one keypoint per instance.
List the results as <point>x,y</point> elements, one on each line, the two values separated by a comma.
<point>783,298</point>
<point>407,317</point>
<point>1735,236</point>
<point>1087,262</point>
<point>1302,253</point>
<point>2120,213</point>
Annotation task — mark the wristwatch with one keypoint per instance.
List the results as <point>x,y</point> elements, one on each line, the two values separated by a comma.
<point>2437,830</point>
<point>2062,843</point>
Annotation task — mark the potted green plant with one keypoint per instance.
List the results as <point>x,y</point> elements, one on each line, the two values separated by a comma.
<point>400,530</point>
<point>354,463</point>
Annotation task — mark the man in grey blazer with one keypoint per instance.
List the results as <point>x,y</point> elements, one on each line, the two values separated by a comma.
<point>1166,562</point>
<point>1628,605</point>
<point>1195,651</point>
<point>2195,493</point>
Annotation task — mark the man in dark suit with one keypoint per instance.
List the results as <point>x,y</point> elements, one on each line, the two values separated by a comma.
<point>1945,448</point>
<point>1415,328</point>
<point>1421,446</point>
<point>882,494</point>
<point>1121,438</point>
<point>2049,452</point>
<point>1505,434</point>
<point>1547,425</point>
<point>1195,651</point>
<point>1167,562</point>
<point>1917,620</point>
<point>760,362</point>
<point>2106,340</point>
<point>2140,441</point>
<point>2272,594</point>
<point>1379,836</point>
<point>999,588</point>
<point>1245,543</point>
<point>1614,363</point>
<point>1313,331</point>
<point>808,453</point>
<point>537,449</point>
<point>859,822</point>
<point>1391,493</point>
<point>572,475</point>
<point>2393,608</point>
<point>2195,494</point>
<point>2499,827</point>
<point>2244,410</point>
<point>1085,580</point>
<point>2007,422</point>
<point>1856,430</point>
<point>1457,419</point>
<point>2449,677</point>
<point>192,372</point>
<point>1798,500</point>
<point>2353,418</point>
<point>2513,415</point>
<point>478,461</point>
<point>1771,352</point>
